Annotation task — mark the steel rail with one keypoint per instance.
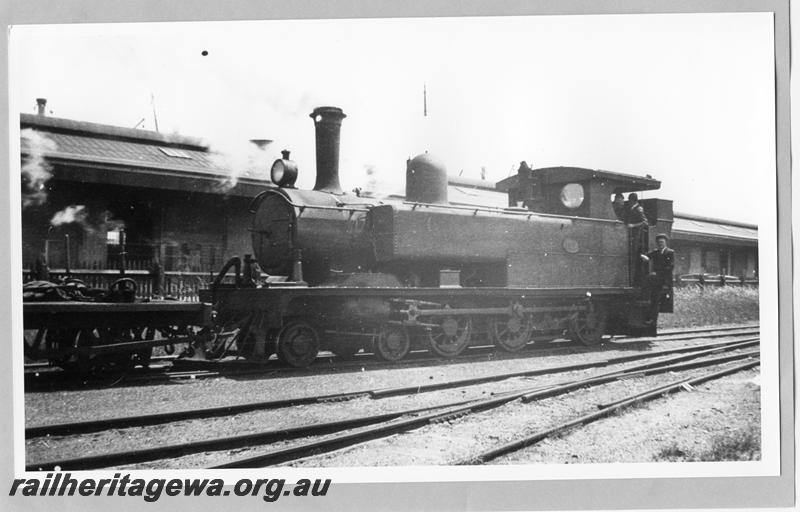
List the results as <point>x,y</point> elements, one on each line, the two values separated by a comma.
<point>650,394</point>
<point>381,393</point>
<point>667,332</point>
<point>168,417</point>
<point>642,371</point>
<point>680,337</point>
<point>224,443</point>
<point>380,431</point>
<point>475,352</point>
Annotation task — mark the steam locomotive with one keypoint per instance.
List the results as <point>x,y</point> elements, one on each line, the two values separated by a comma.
<point>349,272</point>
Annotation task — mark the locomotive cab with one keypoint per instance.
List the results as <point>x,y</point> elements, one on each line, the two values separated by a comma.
<point>571,191</point>
<point>590,193</point>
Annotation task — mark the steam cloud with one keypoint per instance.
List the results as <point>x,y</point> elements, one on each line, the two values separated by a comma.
<point>240,159</point>
<point>70,214</point>
<point>379,184</point>
<point>36,171</point>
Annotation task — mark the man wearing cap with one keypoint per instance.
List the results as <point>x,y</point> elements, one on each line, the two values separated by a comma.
<point>663,261</point>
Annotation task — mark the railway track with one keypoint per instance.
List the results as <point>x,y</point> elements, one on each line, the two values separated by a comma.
<point>295,453</point>
<point>385,424</point>
<point>169,369</point>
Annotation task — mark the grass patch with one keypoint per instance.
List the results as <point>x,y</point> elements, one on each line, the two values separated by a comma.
<point>737,446</point>
<point>696,306</point>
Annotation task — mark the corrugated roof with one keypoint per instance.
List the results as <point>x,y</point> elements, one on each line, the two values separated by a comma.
<point>685,226</point>
<point>77,142</point>
<point>96,130</point>
<point>80,147</point>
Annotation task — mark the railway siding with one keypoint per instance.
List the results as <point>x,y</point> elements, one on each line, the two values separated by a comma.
<point>285,386</point>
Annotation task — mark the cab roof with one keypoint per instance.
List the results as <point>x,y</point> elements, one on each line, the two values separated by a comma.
<point>619,182</point>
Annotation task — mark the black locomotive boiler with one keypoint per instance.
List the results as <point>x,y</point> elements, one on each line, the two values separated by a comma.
<point>348,272</point>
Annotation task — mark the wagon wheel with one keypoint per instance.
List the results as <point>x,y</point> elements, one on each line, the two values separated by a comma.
<point>98,366</point>
<point>75,361</point>
<point>297,344</point>
<point>451,336</point>
<point>393,343</point>
<point>143,355</point>
<point>511,332</point>
<point>588,328</point>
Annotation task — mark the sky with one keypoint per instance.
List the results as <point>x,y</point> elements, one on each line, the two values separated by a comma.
<point>685,98</point>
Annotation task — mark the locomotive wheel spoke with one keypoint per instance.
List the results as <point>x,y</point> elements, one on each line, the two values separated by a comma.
<point>588,328</point>
<point>297,344</point>
<point>510,333</point>
<point>451,337</point>
<point>393,343</point>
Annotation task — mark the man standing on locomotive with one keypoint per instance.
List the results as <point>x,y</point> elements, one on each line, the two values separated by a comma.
<point>636,221</point>
<point>619,205</point>
<point>634,213</point>
<point>663,261</point>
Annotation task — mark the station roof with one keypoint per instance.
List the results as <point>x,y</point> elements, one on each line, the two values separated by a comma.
<point>92,152</point>
<point>693,228</point>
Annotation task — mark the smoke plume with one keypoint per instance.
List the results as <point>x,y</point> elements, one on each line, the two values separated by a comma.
<point>36,171</point>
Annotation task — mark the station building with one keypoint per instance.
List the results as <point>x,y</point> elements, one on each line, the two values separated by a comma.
<point>92,191</point>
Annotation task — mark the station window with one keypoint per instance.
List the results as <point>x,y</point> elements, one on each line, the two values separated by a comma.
<point>572,195</point>
<point>112,238</point>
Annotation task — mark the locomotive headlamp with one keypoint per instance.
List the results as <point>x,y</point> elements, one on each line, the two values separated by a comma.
<point>284,171</point>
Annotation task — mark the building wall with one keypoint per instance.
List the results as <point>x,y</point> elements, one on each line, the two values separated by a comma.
<point>186,231</point>
<point>707,258</point>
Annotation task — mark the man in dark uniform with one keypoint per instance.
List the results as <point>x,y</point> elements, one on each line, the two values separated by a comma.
<point>663,262</point>
<point>634,213</point>
<point>619,205</point>
<point>636,221</point>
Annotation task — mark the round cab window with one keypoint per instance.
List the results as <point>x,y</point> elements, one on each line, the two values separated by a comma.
<point>572,195</point>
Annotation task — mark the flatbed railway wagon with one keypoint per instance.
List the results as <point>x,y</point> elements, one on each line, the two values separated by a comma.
<point>106,331</point>
<point>349,272</point>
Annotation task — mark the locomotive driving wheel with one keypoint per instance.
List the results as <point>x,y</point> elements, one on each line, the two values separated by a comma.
<point>588,327</point>
<point>393,343</point>
<point>511,333</point>
<point>297,344</point>
<point>451,336</point>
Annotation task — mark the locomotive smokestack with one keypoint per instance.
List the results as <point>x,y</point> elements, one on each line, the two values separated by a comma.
<point>328,124</point>
<point>41,105</point>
